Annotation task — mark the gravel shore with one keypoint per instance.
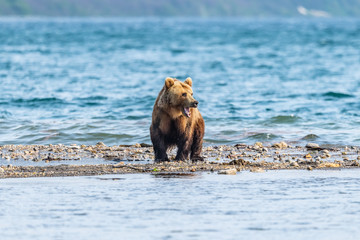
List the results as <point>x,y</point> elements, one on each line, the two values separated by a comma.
<point>16,160</point>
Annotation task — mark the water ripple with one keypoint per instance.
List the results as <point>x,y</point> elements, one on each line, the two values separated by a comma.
<point>248,74</point>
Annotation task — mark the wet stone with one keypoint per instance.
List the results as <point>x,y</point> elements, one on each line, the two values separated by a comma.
<point>231,171</point>
<point>294,164</point>
<point>310,137</point>
<point>312,145</point>
<point>100,144</point>
<point>281,145</point>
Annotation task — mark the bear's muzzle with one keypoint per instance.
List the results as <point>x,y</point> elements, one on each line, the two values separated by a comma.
<point>194,104</point>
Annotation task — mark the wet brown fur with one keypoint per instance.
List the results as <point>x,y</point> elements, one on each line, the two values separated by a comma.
<point>170,127</point>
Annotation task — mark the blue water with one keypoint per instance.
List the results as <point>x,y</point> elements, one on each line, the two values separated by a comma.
<point>89,80</point>
<point>273,205</point>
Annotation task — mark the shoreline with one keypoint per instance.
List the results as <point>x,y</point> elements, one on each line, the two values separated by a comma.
<point>138,158</point>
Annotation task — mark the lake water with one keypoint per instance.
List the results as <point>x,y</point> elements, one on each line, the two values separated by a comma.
<point>89,80</point>
<point>284,204</point>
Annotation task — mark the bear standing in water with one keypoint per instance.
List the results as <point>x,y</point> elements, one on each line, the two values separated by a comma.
<point>177,122</point>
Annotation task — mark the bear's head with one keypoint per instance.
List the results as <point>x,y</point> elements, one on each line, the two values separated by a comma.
<point>178,96</point>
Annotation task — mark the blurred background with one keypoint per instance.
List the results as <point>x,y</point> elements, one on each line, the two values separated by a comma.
<point>88,70</point>
<point>203,8</point>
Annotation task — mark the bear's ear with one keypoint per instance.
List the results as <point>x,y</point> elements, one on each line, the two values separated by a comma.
<point>188,81</point>
<point>169,82</point>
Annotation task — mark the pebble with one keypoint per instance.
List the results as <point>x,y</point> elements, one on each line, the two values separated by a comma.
<point>312,145</point>
<point>294,164</point>
<point>281,145</point>
<point>257,170</point>
<point>74,146</point>
<point>325,151</point>
<point>119,164</point>
<point>310,168</point>
<point>100,144</point>
<point>231,171</point>
<point>2,170</point>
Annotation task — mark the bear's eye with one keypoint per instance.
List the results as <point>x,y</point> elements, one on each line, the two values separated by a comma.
<point>184,94</point>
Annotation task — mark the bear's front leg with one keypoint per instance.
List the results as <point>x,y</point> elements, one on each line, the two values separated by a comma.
<point>160,152</point>
<point>159,146</point>
<point>183,151</point>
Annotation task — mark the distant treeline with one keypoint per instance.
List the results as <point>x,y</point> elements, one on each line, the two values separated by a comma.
<point>203,8</point>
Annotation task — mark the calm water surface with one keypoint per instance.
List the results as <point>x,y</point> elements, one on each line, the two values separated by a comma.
<point>272,205</point>
<point>89,80</point>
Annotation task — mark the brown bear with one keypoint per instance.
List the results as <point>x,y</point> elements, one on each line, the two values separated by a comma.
<point>176,121</point>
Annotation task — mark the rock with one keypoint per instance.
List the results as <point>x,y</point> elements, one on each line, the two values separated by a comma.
<point>1,170</point>
<point>312,145</point>
<point>145,145</point>
<point>231,171</point>
<point>310,168</point>
<point>325,151</point>
<point>240,145</point>
<point>240,161</point>
<point>280,145</point>
<point>257,170</point>
<point>74,146</point>
<point>258,145</point>
<point>329,165</point>
<point>310,137</point>
<point>294,164</point>
<point>100,144</point>
<point>119,164</point>
<point>137,145</point>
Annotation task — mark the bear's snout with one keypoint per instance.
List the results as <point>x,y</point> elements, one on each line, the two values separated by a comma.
<point>194,104</point>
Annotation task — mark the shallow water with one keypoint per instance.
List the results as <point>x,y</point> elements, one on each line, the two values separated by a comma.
<point>271,205</point>
<point>88,80</point>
